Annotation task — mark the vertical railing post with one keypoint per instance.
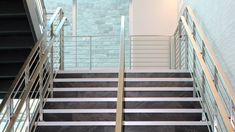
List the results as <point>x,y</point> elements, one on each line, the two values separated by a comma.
<point>177,40</point>
<point>194,31</point>
<point>194,74</point>
<point>41,85</point>
<point>180,43</point>
<point>187,16</point>
<point>90,49</point>
<point>27,103</point>
<point>174,49</point>
<point>186,51</point>
<point>76,52</point>
<point>215,120</point>
<point>203,95</point>
<point>51,71</point>
<point>61,43</point>
<point>41,96</point>
<point>130,56</point>
<point>216,77</point>
<point>203,50</point>
<point>170,53</point>
<point>10,110</point>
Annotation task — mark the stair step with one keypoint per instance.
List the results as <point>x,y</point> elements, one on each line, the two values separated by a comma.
<point>127,79</point>
<point>154,102</point>
<point>88,94</point>
<point>126,123</point>
<point>5,85</point>
<point>128,105</point>
<point>11,24</point>
<point>159,128</point>
<point>127,117</point>
<point>130,82</point>
<point>14,55</point>
<point>6,6</point>
<point>127,75</point>
<point>16,41</point>
<point>16,48</point>
<point>149,70</point>
<point>7,77</point>
<point>20,32</point>
<point>79,117</point>
<point>144,111</point>
<point>146,99</point>
<point>96,89</point>
<point>11,15</point>
<point>80,105</point>
<point>10,68</point>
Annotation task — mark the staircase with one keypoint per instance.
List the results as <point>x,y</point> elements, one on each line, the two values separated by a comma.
<point>154,102</point>
<point>16,41</point>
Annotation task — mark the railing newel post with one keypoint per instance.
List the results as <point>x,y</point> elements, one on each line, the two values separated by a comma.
<point>27,102</point>
<point>90,49</point>
<point>194,74</point>
<point>130,56</point>
<point>180,44</point>
<point>203,50</point>
<point>186,52</point>
<point>215,76</point>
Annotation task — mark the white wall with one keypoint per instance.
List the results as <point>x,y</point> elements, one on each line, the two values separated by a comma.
<point>32,7</point>
<point>217,18</point>
<point>153,17</point>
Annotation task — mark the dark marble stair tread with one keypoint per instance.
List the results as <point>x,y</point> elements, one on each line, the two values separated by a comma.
<point>80,94</point>
<point>84,94</point>
<point>126,129</point>
<point>163,105</point>
<point>14,32</point>
<point>127,75</point>
<point>87,75</point>
<point>80,105</point>
<point>127,84</point>
<point>13,15</point>
<point>17,41</point>
<point>127,117</point>
<point>85,84</point>
<point>10,69</point>
<point>14,55</point>
<point>79,117</point>
<point>129,105</point>
<point>163,117</point>
<point>17,23</point>
<point>7,6</point>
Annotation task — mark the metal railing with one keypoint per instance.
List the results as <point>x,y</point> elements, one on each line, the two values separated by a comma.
<point>97,52</point>
<point>91,52</point>
<point>150,51</point>
<point>193,52</point>
<point>22,106</point>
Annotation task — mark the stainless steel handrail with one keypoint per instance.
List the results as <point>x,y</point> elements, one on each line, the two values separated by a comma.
<point>120,92</point>
<point>193,52</point>
<point>53,18</point>
<point>27,89</point>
